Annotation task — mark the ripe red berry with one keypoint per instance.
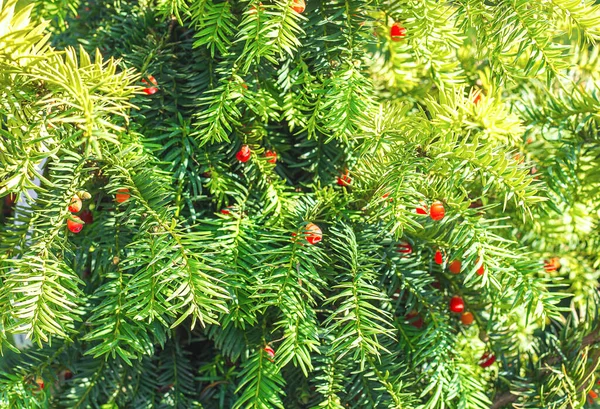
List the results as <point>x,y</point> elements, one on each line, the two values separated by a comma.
<point>122,195</point>
<point>457,304</point>
<point>227,210</point>
<point>344,180</point>
<point>552,265</point>
<point>150,90</point>
<point>313,233</point>
<point>272,156</point>
<point>67,374</point>
<point>404,248</point>
<point>467,318</point>
<point>454,267</point>
<point>437,211</point>
<point>299,6</point>
<point>243,154</point>
<point>75,225</point>
<point>87,216</point>
<point>397,32</point>
<point>486,360</point>
<point>438,258</point>
<point>270,351</point>
<point>421,210</point>
<point>75,205</point>
<point>481,268</point>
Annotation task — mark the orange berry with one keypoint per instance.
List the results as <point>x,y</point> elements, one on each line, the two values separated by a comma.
<point>75,225</point>
<point>437,211</point>
<point>454,267</point>
<point>272,156</point>
<point>313,233</point>
<point>467,318</point>
<point>299,6</point>
<point>122,195</point>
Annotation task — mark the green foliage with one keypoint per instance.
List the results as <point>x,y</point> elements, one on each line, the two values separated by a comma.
<point>192,265</point>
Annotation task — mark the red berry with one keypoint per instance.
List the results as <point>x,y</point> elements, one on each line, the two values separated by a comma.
<point>243,154</point>
<point>404,248</point>
<point>122,195</point>
<point>67,374</point>
<point>552,265</point>
<point>467,318</point>
<point>313,233</point>
<point>421,210</point>
<point>87,216</point>
<point>272,156</point>
<point>457,304</point>
<point>270,351</point>
<point>299,6</point>
<point>150,90</point>
<point>75,225</point>
<point>344,180</point>
<point>477,99</point>
<point>418,322</point>
<point>486,360</point>
<point>397,32</point>
<point>152,80</point>
<point>437,211</point>
<point>438,258</point>
<point>75,205</point>
<point>481,268</point>
<point>454,267</point>
<point>227,210</point>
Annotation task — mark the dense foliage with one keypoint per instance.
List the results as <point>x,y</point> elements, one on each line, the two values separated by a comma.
<point>256,204</point>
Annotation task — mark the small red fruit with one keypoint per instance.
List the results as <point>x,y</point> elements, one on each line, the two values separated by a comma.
<point>467,318</point>
<point>454,267</point>
<point>415,319</point>
<point>592,396</point>
<point>344,180</point>
<point>75,205</point>
<point>299,6</point>
<point>477,99</point>
<point>75,225</point>
<point>272,156</point>
<point>421,210</point>
<point>270,351</point>
<point>437,211</point>
<point>404,248</point>
<point>87,216</point>
<point>552,265</point>
<point>481,268</point>
<point>227,210</point>
<point>397,32</point>
<point>486,360</point>
<point>243,154</point>
<point>150,90</point>
<point>122,195</point>
<point>457,304</point>
<point>67,374</point>
<point>438,258</point>
<point>313,233</point>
